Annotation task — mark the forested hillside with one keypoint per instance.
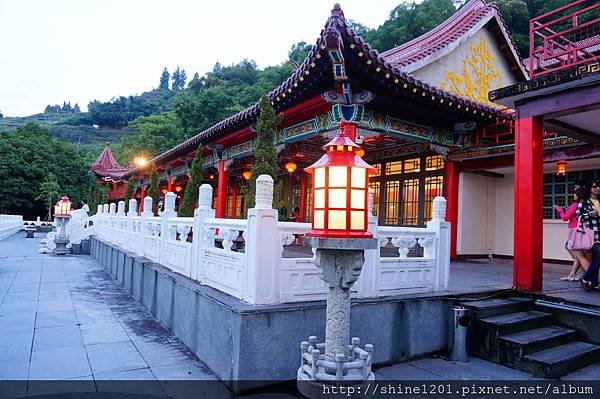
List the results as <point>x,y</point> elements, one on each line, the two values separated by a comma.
<point>178,108</point>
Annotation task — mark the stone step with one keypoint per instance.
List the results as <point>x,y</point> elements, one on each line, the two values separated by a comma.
<point>514,322</point>
<point>485,332</point>
<point>517,345</point>
<point>491,307</point>
<point>562,359</point>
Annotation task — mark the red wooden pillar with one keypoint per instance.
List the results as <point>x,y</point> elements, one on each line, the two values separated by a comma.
<point>302,195</point>
<point>234,192</point>
<point>170,184</point>
<point>222,191</point>
<point>528,228</point>
<point>451,186</point>
<point>143,196</point>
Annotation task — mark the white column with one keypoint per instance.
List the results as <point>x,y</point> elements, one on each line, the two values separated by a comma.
<point>201,239</point>
<point>100,209</point>
<point>121,208</point>
<point>112,208</point>
<point>132,207</point>
<point>167,214</point>
<point>144,224</point>
<point>442,250</point>
<point>262,246</point>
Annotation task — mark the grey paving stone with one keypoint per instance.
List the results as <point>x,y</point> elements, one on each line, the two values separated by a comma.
<point>404,371</point>
<point>54,295</point>
<point>14,366</point>
<point>55,305</point>
<point>19,307</point>
<point>57,337</point>
<point>185,370</point>
<point>59,363</point>
<point>47,286</point>
<point>163,352</point>
<point>55,319</point>
<point>117,356</point>
<point>24,287</point>
<point>20,296</point>
<point>95,315</point>
<point>102,333</point>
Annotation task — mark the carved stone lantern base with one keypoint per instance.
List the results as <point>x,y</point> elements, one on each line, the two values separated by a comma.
<point>339,360</point>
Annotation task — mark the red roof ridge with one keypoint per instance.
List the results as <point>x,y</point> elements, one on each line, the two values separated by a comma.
<point>106,164</point>
<point>409,55</point>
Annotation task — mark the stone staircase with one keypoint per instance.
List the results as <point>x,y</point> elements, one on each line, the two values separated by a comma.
<point>514,333</point>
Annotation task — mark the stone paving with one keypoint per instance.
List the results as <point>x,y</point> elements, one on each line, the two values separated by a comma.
<point>64,318</point>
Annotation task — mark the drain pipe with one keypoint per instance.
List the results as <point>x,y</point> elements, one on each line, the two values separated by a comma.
<point>569,308</point>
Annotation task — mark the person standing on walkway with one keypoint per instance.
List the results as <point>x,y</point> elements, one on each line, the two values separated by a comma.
<point>589,212</point>
<point>580,257</point>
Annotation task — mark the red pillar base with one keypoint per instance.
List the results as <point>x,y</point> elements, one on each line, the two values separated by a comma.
<point>528,229</point>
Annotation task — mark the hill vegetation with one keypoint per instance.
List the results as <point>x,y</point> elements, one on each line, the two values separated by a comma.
<point>176,109</point>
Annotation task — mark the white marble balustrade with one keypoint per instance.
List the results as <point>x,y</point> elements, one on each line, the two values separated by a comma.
<point>260,260</point>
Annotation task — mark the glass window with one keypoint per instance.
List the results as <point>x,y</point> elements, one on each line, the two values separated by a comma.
<point>392,202</point>
<point>393,168</point>
<point>434,162</point>
<point>410,199</point>
<point>374,185</point>
<point>433,188</point>
<point>412,165</point>
<point>558,190</point>
<point>378,172</point>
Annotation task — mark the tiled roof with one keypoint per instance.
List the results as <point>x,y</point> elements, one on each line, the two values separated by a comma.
<point>453,30</point>
<point>315,73</point>
<point>106,164</point>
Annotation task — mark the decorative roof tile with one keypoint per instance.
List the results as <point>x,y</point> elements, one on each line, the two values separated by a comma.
<point>106,164</point>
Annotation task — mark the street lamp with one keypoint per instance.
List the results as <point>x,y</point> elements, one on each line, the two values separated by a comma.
<point>140,161</point>
<point>339,237</point>
<point>62,214</point>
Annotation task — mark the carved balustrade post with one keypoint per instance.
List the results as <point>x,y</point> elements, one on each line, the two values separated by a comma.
<point>262,247</point>
<point>202,237</point>
<point>441,249</point>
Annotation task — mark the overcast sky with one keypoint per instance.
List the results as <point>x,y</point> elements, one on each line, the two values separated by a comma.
<point>80,50</point>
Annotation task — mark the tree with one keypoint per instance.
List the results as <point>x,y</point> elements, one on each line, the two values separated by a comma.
<point>29,155</point>
<point>49,192</point>
<point>190,197</point>
<point>76,108</point>
<point>1,116</point>
<point>265,156</point>
<point>178,79</point>
<point>153,190</point>
<point>151,136</point>
<point>129,189</point>
<point>164,80</point>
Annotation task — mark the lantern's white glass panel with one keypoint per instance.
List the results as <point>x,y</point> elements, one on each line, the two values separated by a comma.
<point>320,198</point>
<point>319,222</point>
<point>357,199</point>
<point>359,177</point>
<point>337,220</point>
<point>338,176</point>
<point>337,198</point>
<point>357,220</point>
<point>319,177</point>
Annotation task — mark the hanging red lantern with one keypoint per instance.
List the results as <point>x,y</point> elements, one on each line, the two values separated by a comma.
<point>247,175</point>
<point>561,168</point>
<point>291,167</point>
<point>360,152</point>
<point>340,190</point>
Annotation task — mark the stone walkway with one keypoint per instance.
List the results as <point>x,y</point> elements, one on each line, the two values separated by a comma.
<point>64,318</point>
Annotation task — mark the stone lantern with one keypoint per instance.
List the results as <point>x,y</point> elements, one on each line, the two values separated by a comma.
<point>339,237</point>
<point>62,215</point>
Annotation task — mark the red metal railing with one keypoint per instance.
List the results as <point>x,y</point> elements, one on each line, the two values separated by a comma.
<point>564,37</point>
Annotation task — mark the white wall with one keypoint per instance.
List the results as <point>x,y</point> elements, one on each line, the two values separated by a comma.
<point>555,231</point>
<point>476,214</point>
<point>486,219</point>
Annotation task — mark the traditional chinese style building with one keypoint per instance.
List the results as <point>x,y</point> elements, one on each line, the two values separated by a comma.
<point>426,122</point>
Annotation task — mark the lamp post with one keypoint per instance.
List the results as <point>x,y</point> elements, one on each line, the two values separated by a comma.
<point>339,236</point>
<point>62,215</point>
